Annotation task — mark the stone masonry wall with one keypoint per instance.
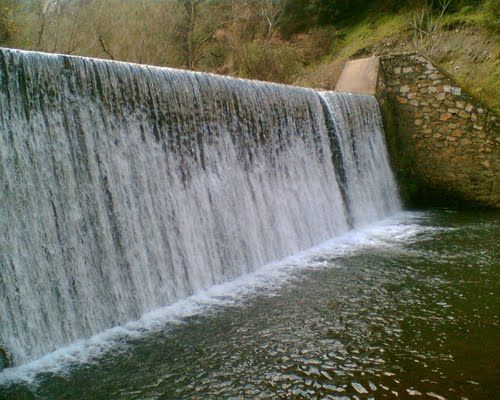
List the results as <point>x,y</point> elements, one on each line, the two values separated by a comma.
<point>444,143</point>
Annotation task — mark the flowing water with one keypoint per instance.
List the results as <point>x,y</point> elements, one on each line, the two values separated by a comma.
<point>406,308</point>
<point>125,188</point>
<point>170,235</point>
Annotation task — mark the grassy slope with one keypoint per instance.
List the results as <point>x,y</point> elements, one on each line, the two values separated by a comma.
<point>469,50</point>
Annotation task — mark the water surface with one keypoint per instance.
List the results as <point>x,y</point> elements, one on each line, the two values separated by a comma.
<point>411,311</point>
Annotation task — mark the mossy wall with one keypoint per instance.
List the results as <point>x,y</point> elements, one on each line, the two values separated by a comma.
<point>444,143</point>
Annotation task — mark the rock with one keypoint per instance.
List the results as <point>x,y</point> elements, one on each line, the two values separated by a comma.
<point>445,116</point>
<point>456,91</point>
<point>460,104</point>
<point>404,89</point>
<point>464,114</point>
<point>407,70</point>
<point>469,107</point>
<point>441,96</point>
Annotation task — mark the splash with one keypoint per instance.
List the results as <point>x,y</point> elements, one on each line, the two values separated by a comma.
<point>125,188</point>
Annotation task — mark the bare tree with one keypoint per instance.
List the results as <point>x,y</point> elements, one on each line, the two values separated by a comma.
<point>42,9</point>
<point>425,24</point>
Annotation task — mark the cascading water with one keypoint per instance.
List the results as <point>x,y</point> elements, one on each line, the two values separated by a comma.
<point>124,188</point>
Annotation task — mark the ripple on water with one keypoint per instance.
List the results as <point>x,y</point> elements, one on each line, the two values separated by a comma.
<point>383,321</point>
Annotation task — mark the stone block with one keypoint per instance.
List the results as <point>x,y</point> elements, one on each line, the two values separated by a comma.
<point>446,116</point>
<point>444,128</point>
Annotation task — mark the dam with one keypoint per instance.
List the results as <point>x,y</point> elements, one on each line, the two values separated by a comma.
<point>167,234</point>
<point>125,188</point>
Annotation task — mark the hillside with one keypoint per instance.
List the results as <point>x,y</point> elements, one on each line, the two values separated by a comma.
<point>302,42</point>
<point>467,48</point>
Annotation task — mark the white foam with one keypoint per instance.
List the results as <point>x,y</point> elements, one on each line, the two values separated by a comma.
<point>128,188</point>
<point>392,233</point>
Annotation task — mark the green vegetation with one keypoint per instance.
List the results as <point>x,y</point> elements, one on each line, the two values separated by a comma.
<point>302,42</point>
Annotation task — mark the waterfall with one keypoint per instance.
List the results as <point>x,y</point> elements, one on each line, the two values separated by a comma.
<point>124,188</point>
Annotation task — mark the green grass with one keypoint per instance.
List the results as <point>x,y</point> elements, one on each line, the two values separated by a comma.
<point>469,50</point>
<point>369,33</point>
<point>485,16</point>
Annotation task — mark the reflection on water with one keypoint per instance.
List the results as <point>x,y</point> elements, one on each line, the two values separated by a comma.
<point>409,319</point>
